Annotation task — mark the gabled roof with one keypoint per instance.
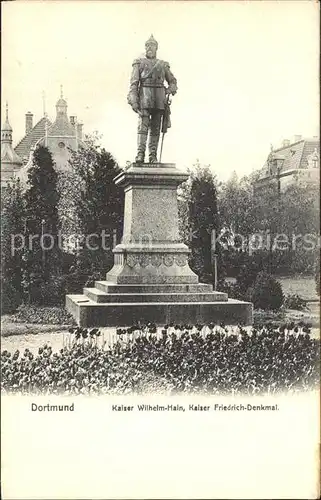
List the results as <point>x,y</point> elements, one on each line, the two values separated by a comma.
<point>292,155</point>
<point>62,127</point>
<point>30,139</point>
<point>295,156</point>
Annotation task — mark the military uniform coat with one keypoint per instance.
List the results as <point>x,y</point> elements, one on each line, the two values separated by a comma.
<point>147,89</point>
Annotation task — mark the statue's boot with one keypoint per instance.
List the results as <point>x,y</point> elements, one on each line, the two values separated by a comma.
<point>141,147</point>
<point>152,147</point>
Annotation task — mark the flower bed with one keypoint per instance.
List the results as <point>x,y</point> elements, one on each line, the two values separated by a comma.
<point>191,359</point>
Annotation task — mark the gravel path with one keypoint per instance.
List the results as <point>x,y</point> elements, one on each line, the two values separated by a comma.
<point>58,339</point>
<point>34,341</point>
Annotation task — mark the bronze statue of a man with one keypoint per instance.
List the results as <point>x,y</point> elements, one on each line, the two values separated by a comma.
<point>147,97</point>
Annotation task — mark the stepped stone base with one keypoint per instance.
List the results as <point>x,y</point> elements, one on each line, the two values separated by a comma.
<point>110,304</point>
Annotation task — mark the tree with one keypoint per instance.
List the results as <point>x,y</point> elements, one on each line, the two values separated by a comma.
<point>12,242</point>
<point>238,223</point>
<point>275,227</point>
<point>199,224</point>
<point>42,256</point>
<point>292,218</point>
<point>69,188</point>
<point>235,200</point>
<point>98,205</point>
<point>299,220</point>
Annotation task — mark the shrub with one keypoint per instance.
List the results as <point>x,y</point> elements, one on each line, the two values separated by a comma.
<point>76,281</point>
<point>46,293</point>
<point>53,292</point>
<point>246,278</point>
<point>233,290</point>
<point>267,293</point>
<point>39,314</point>
<point>68,260</point>
<point>10,298</point>
<point>249,266</point>
<point>294,301</point>
<point>95,276</point>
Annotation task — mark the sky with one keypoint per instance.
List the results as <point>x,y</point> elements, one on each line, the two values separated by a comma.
<point>247,72</point>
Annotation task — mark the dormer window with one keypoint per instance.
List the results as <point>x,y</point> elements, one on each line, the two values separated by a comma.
<point>313,159</point>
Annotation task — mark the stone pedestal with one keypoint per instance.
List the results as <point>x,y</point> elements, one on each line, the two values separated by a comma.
<point>151,251</point>
<point>151,279</point>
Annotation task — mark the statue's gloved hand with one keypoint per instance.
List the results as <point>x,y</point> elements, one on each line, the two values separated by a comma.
<point>135,108</point>
<point>170,90</point>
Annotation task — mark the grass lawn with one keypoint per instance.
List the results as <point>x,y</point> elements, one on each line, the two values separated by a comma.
<point>301,285</point>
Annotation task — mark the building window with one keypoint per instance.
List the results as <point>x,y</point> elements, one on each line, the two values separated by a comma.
<point>61,144</point>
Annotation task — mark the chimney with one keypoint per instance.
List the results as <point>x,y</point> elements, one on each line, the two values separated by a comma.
<point>73,120</point>
<point>79,130</point>
<point>297,138</point>
<point>29,122</point>
<point>286,143</point>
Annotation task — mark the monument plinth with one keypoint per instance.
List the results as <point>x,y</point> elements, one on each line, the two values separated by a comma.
<point>151,279</point>
<point>151,251</point>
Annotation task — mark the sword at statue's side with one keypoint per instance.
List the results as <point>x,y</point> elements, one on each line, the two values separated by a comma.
<point>165,123</point>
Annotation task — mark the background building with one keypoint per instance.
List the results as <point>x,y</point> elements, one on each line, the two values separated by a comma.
<point>296,161</point>
<point>59,136</point>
